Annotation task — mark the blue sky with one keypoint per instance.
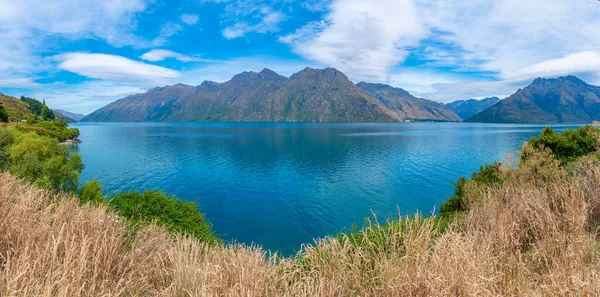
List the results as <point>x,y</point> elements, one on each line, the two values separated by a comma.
<point>80,55</point>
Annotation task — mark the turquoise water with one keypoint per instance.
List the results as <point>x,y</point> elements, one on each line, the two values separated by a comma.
<point>281,185</point>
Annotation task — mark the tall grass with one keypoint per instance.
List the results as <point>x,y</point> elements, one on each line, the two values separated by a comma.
<point>536,235</point>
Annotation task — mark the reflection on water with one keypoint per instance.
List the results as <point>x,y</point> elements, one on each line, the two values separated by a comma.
<point>280,185</point>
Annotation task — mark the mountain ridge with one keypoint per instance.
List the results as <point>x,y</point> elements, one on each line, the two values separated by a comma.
<point>565,99</point>
<point>470,107</point>
<point>310,95</point>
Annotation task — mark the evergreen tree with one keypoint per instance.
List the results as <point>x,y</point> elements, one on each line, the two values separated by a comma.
<point>3,114</point>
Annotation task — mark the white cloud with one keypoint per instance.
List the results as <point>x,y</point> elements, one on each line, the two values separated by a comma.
<point>579,63</point>
<point>190,19</point>
<point>28,27</point>
<point>115,68</point>
<point>506,35</point>
<point>18,82</point>
<point>421,81</point>
<point>84,97</point>
<point>168,30</point>
<point>159,55</point>
<point>269,21</point>
<point>364,39</point>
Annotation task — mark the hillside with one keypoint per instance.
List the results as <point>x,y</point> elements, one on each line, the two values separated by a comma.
<point>547,101</point>
<point>408,106</point>
<point>468,108</point>
<point>311,95</point>
<point>16,108</point>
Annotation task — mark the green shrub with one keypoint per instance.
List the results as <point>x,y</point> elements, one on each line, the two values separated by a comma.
<point>7,138</point>
<point>43,161</point>
<point>488,175</point>
<point>91,192</point>
<point>569,145</point>
<point>168,211</point>
<point>56,129</point>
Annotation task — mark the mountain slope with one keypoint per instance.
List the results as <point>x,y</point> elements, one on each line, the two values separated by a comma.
<point>559,100</point>
<point>16,108</point>
<point>468,108</point>
<point>71,115</point>
<point>408,106</point>
<point>311,95</point>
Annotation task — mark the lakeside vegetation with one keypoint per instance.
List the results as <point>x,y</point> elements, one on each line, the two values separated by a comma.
<point>529,227</point>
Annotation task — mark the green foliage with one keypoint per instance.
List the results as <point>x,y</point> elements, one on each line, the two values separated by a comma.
<point>41,160</point>
<point>39,108</point>
<point>488,175</point>
<point>168,211</point>
<point>7,138</point>
<point>54,129</point>
<point>3,115</point>
<point>91,192</point>
<point>34,105</point>
<point>569,145</point>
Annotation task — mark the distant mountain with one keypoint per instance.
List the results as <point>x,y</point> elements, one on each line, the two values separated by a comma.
<point>408,106</point>
<point>311,95</point>
<point>468,108</point>
<point>559,100</point>
<point>74,116</point>
<point>59,116</point>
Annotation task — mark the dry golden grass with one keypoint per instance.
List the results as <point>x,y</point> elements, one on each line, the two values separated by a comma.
<point>537,235</point>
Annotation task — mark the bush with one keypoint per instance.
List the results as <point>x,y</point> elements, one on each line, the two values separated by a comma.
<point>488,175</point>
<point>43,161</point>
<point>91,192</point>
<point>7,138</point>
<point>168,211</point>
<point>57,130</point>
<point>569,145</point>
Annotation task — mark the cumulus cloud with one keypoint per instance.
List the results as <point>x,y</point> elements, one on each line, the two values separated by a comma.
<point>159,55</point>
<point>364,39</point>
<point>502,36</point>
<point>26,26</point>
<point>190,19</point>
<point>114,68</point>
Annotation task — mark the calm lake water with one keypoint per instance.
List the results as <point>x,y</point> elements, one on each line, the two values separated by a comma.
<point>281,185</point>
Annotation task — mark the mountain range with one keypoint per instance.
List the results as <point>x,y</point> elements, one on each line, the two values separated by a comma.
<point>71,115</point>
<point>327,95</point>
<point>547,101</point>
<point>311,95</point>
<point>465,109</point>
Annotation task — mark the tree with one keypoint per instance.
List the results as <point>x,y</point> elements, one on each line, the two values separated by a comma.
<point>45,110</point>
<point>3,114</point>
<point>91,192</point>
<point>168,211</point>
<point>569,145</point>
<point>43,161</point>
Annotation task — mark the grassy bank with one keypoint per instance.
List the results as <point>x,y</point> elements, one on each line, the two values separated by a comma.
<point>525,228</point>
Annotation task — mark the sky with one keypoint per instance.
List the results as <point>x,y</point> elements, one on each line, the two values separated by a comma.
<point>80,55</point>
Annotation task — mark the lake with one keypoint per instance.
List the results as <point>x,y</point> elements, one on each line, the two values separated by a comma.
<point>282,184</point>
